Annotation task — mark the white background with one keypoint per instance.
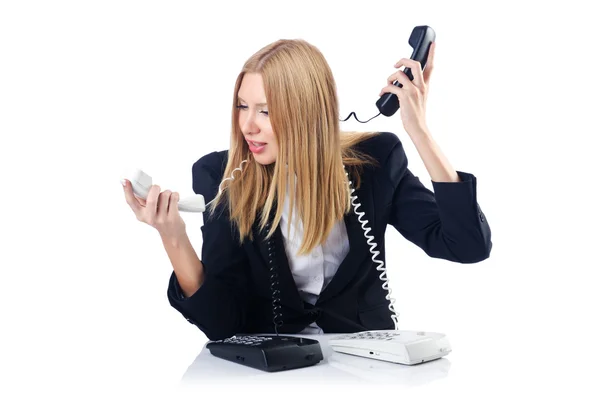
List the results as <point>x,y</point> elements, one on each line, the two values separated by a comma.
<point>90,90</point>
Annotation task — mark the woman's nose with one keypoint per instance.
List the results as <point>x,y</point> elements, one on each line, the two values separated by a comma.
<point>249,124</point>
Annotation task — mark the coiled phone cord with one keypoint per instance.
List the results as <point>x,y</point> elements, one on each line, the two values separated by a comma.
<point>232,177</point>
<point>274,285</point>
<point>373,249</point>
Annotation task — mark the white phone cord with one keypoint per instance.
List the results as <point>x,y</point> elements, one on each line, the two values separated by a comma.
<point>227,179</point>
<point>373,249</point>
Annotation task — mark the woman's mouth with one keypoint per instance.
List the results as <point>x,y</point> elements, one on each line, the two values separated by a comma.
<point>256,147</point>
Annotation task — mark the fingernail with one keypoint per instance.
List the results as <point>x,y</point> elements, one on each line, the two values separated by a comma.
<point>123,182</point>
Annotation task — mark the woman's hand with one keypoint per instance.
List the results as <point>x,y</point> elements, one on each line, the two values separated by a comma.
<point>159,210</point>
<point>413,94</point>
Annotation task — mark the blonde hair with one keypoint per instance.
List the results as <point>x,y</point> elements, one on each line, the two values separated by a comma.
<point>303,110</point>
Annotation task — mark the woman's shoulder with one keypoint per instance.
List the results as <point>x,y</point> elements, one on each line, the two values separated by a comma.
<point>207,172</point>
<point>379,146</point>
<point>214,162</point>
<point>388,152</point>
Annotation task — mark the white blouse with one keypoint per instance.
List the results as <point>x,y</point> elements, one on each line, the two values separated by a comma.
<point>312,272</point>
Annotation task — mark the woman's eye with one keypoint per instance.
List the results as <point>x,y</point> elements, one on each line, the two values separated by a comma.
<point>244,107</point>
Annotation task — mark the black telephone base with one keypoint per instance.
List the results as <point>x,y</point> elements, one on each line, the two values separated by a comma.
<point>269,353</point>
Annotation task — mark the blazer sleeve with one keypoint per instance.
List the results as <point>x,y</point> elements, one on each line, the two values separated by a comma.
<point>447,223</point>
<point>218,307</point>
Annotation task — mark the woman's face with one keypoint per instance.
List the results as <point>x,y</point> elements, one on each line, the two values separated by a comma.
<point>254,119</point>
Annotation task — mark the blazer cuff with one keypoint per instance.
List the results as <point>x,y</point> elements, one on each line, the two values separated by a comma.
<point>176,293</point>
<point>177,289</point>
<point>459,209</point>
<point>456,196</point>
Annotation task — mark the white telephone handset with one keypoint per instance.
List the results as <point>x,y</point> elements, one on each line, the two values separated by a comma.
<point>142,182</point>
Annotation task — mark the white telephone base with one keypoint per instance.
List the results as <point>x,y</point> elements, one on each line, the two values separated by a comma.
<point>402,347</point>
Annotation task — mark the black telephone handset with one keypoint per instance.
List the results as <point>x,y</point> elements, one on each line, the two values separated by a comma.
<point>420,40</point>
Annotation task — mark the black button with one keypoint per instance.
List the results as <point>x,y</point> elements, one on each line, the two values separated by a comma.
<point>481,217</point>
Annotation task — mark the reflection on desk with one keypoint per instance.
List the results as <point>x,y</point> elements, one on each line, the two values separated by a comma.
<point>335,368</point>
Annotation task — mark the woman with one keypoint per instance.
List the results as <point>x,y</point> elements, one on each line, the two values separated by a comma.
<point>284,244</point>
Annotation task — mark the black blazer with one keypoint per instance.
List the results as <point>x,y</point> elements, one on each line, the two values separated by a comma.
<point>236,297</point>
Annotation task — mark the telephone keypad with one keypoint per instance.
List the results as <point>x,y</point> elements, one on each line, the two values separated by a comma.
<point>245,340</point>
<point>370,335</point>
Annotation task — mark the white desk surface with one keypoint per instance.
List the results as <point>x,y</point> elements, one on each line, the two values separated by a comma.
<point>335,368</point>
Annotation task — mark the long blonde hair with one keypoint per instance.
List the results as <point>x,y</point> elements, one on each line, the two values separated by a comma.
<point>303,110</point>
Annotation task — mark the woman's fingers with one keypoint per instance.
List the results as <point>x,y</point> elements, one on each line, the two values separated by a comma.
<point>159,210</point>
<point>163,206</point>
<point>173,204</point>
<point>133,201</point>
<point>152,200</point>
